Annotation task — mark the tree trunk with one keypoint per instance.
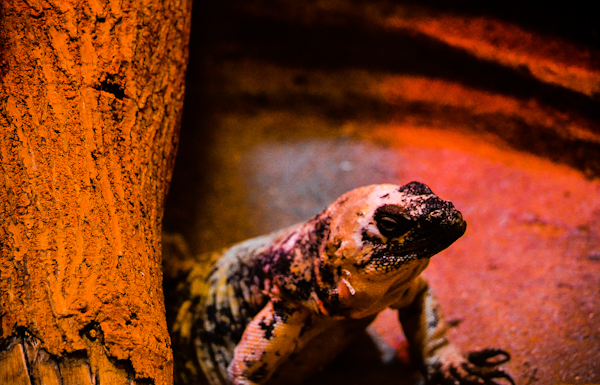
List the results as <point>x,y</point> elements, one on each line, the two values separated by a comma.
<point>90,104</point>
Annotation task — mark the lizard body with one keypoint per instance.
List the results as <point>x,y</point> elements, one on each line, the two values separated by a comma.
<point>280,305</point>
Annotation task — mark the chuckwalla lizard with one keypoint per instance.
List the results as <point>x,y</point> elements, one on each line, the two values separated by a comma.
<point>277,307</point>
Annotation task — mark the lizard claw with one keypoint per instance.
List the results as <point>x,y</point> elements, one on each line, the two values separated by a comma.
<point>479,368</point>
<point>485,357</point>
<point>486,376</point>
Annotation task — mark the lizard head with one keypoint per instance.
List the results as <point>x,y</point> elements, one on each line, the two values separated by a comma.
<point>380,239</point>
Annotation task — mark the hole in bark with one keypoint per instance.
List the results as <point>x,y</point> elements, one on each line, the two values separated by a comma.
<point>112,85</point>
<point>92,331</point>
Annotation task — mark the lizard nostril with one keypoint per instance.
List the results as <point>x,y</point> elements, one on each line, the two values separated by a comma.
<point>437,213</point>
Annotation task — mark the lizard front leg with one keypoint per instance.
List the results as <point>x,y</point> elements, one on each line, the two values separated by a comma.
<point>269,339</point>
<point>425,329</point>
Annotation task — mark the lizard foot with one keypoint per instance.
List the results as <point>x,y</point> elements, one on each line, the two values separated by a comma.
<point>479,368</point>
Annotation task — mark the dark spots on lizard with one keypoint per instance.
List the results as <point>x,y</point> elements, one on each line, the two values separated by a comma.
<point>224,327</point>
<point>259,374</point>
<point>281,311</point>
<point>317,236</point>
<point>383,262</point>
<point>384,257</point>
<point>435,318</point>
<point>268,327</point>
<point>321,224</point>
<point>213,352</point>
<point>327,275</point>
<point>369,239</point>
<point>293,269</point>
<point>297,286</point>
<point>213,270</point>
<point>248,284</point>
<point>280,262</point>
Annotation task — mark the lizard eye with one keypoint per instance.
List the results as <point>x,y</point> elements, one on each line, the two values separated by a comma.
<point>393,226</point>
<point>387,223</point>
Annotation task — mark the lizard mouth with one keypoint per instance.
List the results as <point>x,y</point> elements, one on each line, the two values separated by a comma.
<point>429,242</point>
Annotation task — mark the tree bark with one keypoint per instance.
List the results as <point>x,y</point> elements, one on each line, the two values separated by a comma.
<point>90,104</point>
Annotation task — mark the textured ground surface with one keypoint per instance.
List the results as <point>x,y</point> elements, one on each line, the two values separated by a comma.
<point>278,125</point>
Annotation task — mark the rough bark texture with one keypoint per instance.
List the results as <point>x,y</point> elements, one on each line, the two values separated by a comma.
<point>90,103</point>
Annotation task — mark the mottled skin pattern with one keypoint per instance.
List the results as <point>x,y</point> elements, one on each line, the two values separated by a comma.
<point>276,307</point>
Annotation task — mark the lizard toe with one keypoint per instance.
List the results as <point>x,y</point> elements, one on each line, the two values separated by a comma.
<point>489,357</point>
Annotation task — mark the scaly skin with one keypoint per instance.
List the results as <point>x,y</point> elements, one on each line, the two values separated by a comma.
<point>276,307</point>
